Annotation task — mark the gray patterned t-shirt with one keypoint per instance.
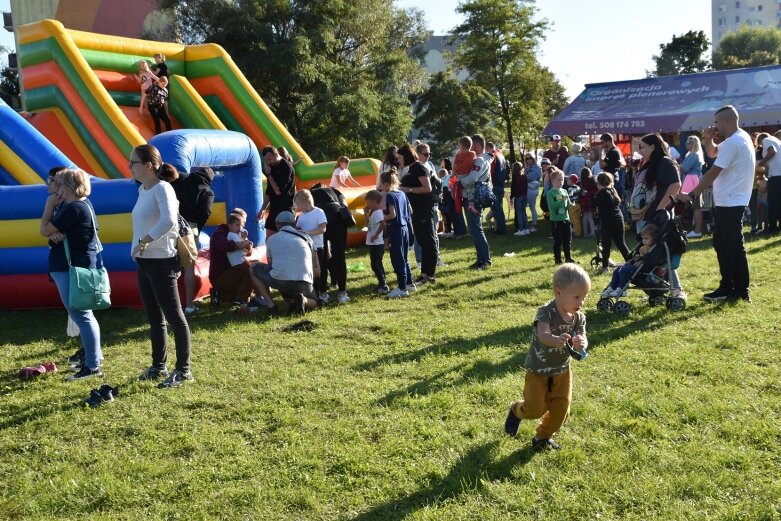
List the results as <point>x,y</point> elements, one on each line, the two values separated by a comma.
<point>550,361</point>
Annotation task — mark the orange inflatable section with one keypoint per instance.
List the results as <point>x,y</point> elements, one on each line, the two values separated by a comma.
<point>48,124</point>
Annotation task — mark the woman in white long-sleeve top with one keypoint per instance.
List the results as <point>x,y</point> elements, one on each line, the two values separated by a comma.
<point>155,232</point>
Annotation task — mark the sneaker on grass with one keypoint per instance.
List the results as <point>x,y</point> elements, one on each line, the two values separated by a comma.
<point>84,373</point>
<point>398,293</point>
<point>176,379</point>
<point>512,423</point>
<point>153,373</point>
<point>544,444</point>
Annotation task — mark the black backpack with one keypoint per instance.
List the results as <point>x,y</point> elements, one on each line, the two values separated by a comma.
<point>436,189</point>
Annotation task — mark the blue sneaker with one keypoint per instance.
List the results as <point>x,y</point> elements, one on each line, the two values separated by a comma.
<point>176,379</point>
<point>512,423</point>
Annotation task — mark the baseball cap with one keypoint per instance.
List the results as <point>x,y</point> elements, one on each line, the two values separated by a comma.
<point>555,137</point>
<point>285,218</point>
<point>545,161</point>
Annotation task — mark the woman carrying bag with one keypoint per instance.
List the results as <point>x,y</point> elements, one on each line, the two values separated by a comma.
<point>74,221</point>
<point>155,233</point>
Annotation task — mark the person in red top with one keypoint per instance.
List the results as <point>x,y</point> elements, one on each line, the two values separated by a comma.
<point>232,283</point>
<point>557,154</point>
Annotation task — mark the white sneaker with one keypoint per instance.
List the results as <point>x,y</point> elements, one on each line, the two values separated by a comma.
<point>325,298</point>
<point>608,292</point>
<point>343,298</point>
<point>440,263</point>
<point>189,310</point>
<point>618,292</point>
<point>398,293</point>
<point>693,235</point>
<point>532,229</point>
<point>411,287</point>
<point>519,233</point>
<point>525,232</point>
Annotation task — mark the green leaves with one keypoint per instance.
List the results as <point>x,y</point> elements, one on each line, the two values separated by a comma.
<point>748,47</point>
<point>683,55</point>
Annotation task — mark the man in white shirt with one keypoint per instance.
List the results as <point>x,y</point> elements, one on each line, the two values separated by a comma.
<point>291,267</point>
<point>771,159</point>
<point>732,177</point>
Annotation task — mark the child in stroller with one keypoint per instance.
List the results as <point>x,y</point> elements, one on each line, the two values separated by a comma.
<point>623,274</point>
<point>652,272</point>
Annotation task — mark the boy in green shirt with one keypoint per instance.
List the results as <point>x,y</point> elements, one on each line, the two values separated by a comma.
<point>558,203</point>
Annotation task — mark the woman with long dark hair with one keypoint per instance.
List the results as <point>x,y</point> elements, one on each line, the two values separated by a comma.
<point>389,160</point>
<point>155,232</point>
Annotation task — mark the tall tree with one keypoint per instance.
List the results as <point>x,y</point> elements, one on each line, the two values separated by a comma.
<point>498,42</point>
<point>448,110</point>
<point>9,80</point>
<point>748,47</point>
<point>338,74</point>
<point>682,55</point>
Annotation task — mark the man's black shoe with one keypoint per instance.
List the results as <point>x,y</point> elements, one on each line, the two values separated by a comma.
<point>717,296</point>
<point>739,295</point>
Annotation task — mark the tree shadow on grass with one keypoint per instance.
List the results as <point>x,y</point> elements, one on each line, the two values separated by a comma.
<point>470,474</point>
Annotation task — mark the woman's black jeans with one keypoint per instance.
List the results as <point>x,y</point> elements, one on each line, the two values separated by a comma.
<point>335,245</point>
<point>157,283</point>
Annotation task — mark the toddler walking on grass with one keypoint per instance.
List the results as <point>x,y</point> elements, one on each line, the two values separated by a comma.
<point>547,392</point>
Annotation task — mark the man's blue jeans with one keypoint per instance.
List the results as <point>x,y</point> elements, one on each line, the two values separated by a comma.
<point>475,225</point>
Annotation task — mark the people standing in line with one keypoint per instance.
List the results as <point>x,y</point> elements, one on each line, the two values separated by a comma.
<point>342,178</point>
<point>771,160</point>
<point>587,194</point>
<point>280,189</point>
<point>611,220</point>
<point>74,220</point>
<point>334,241</point>
<point>154,249</point>
<point>575,163</point>
<point>398,223</point>
<point>498,178</point>
<point>547,390</point>
<point>561,228</point>
<point>519,187</point>
<point>375,239</point>
<point>556,153</point>
<point>416,185</point>
<point>732,176</point>
<point>480,173</point>
<point>424,155</point>
<point>691,168</point>
<point>613,160</point>
<point>389,160</point>
<point>534,178</point>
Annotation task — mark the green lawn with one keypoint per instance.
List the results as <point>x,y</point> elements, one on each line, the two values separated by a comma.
<point>394,409</point>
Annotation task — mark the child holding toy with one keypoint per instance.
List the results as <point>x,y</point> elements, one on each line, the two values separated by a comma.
<point>547,391</point>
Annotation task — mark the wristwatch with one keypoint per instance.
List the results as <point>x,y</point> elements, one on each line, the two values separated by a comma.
<point>142,244</point>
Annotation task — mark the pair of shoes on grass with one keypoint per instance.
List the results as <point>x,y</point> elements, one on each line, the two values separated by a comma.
<point>511,425</point>
<point>38,370</point>
<point>105,393</point>
<point>174,379</point>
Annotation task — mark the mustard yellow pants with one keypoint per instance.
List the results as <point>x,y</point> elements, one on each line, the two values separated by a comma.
<point>548,397</point>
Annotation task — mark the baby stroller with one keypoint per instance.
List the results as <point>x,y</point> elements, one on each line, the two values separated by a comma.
<point>654,273</point>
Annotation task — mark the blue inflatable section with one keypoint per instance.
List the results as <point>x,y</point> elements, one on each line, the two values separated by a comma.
<point>232,153</point>
<point>6,178</point>
<point>35,150</point>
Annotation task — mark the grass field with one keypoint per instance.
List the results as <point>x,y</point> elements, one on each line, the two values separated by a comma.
<point>394,409</point>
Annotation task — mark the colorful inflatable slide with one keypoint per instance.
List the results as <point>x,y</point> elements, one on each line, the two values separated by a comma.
<point>83,103</point>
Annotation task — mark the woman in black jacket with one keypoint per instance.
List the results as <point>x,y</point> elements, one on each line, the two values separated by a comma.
<point>335,241</point>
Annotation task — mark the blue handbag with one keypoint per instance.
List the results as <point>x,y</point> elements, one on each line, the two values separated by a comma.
<point>89,287</point>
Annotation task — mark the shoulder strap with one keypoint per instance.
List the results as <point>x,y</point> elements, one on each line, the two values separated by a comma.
<point>306,239</point>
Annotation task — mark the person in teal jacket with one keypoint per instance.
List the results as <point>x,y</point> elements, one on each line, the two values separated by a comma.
<point>558,203</point>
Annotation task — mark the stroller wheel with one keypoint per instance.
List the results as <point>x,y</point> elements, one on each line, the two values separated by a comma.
<point>596,262</point>
<point>622,307</point>
<point>656,300</point>
<point>604,305</point>
<point>676,304</point>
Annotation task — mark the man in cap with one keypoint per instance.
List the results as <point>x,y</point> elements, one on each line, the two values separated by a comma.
<point>291,266</point>
<point>556,154</point>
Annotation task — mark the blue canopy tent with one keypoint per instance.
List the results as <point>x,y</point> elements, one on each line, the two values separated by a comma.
<point>673,103</point>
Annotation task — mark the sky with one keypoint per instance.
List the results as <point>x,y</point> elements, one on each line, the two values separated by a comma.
<point>6,38</point>
<point>586,43</point>
<point>595,42</point>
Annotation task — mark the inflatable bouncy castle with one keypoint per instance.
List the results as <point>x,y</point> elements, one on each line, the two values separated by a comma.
<point>82,103</point>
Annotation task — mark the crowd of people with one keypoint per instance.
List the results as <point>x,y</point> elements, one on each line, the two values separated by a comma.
<point>307,236</point>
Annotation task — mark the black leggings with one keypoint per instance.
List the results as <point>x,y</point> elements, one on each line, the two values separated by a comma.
<point>158,113</point>
<point>562,236</point>
<point>157,283</point>
<point>612,229</point>
<point>426,234</point>
<point>336,243</point>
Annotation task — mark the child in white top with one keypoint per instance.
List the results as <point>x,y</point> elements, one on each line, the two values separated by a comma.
<point>313,222</point>
<point>146,78</point>
<point>236,257</point>
<point>374,238</point>
<point>341,176</point>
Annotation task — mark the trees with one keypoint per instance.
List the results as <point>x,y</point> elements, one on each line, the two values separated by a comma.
<point>682,55</point>
<point>748,47</point>
<point>9,81</point>
<point>498,43</point>
<point>338,74</point>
